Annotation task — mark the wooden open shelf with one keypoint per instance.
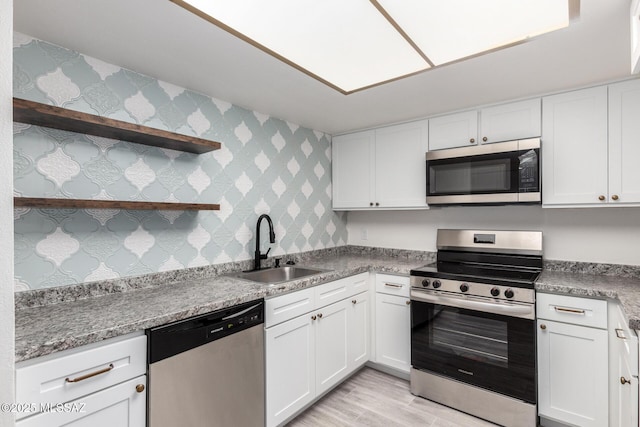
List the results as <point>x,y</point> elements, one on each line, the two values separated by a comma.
<point>31,202</point>
<point>36,113</point>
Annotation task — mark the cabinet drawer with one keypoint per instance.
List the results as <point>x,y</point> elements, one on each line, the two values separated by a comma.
<point>340,289</point>
<point>331,292</point>
<point>393,285</point>
<point>69,376</point>
<point>575,310</point>
<point>358,283</point>
<point>288,306</point>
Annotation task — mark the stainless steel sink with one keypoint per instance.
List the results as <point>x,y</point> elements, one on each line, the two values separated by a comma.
<point>276,275</point>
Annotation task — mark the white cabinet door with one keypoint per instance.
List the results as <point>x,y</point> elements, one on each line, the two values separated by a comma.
<point>623,370</point>
<point>454,130</point>
<point>573,374</point>
<point>400,179</point>
<point>624,142</point>
<point>574,147</point>
<point>331,331</point>
<point>393,331</point>
<point>635,37</point>
<point>358,338</point>
<point>508,122</point>
<point>290,357</point>
<point>352,170</point>
<point>119,405</point>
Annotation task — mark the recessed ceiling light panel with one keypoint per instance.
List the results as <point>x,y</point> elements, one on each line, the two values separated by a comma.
<point>449,30</point>
<point>346,44</point>
<point>355,44</point>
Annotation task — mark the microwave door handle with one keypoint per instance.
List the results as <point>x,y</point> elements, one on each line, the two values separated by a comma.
<point>512,310</point>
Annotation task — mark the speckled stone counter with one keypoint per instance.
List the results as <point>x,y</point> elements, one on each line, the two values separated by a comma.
<point>624,289</point>
<point>45,329</point>
<point>63,318</point>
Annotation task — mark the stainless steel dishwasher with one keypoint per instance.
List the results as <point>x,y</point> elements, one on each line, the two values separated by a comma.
<point>208,370</point>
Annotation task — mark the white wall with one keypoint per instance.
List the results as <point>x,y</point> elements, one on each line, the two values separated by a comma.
<point>7,338</point>
<point>604,235</point>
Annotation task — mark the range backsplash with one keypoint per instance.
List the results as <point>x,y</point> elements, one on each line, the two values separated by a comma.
<point>265,165</point>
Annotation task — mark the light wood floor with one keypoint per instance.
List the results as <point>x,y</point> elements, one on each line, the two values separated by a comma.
<point>372,398</point>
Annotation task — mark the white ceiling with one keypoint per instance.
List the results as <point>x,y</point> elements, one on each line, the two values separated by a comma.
<point>160,39</point>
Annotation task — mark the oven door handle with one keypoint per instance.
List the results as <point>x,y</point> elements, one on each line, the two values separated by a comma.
<point>510,309</point>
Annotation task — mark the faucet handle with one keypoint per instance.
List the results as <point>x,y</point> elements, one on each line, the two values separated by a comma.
<point>264,255</point>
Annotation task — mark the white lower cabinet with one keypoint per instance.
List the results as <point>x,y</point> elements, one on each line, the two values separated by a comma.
<point>393,331</point>
<point>359,337</point>
<point>290,353</point>
<point>121,405</point>
<point>101,384</point>
<point>572,374</point>
<point>331,333</point>
<point>311,353</point>
<point>587,363</point>
<point>393,322</point>
<point>623,370</point>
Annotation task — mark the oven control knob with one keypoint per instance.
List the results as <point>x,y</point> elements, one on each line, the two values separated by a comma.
<point>425,282</point>
<point>436,284</point>
<point>464,287</point>
<point>495,292</point>
<point>508,293</point>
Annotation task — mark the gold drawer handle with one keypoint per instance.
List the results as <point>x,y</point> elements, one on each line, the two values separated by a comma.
<point>543,326</point>
<point>319,315</point>
<point>624,381</point>
<point>569,310</point>
<point>392,285</point>
<point>353,301</point>
<point>140,388</point>
<point>408,302</point>
<point>93,374</point>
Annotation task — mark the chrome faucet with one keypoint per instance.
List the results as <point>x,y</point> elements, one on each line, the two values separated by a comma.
<point>272,239</point>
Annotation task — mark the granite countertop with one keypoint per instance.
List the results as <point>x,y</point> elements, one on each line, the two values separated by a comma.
<point>50,325</point>
<point>55,327</point>
<point>624,289</point>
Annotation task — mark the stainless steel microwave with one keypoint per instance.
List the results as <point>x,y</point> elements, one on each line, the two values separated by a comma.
<point>500,173</point>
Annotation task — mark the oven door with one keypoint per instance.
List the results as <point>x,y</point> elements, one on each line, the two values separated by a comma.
<point>476,345</point>
<point>507,172</point>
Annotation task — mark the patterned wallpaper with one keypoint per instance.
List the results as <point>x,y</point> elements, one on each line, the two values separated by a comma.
<point>265,165</point>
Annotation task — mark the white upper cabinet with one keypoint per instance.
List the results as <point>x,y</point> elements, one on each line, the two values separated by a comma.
<point>516,120</point>
<point>381,169</point>
<point>509,122</point>
<point>352,170</point>
<point>590,147</point>
<point>624,142</point>
<point>574,147</point>
<point>453,130</point>
<point>400,179</point>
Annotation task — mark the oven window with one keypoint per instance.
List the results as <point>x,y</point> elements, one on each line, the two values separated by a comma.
<point>470,177</point>
<point>491,351</point>
<point>477,339</point>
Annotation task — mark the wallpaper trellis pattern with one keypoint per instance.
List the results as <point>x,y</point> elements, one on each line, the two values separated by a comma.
<point>265,165</point>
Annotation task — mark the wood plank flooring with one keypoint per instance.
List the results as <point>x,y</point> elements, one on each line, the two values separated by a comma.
<point>374,399</point>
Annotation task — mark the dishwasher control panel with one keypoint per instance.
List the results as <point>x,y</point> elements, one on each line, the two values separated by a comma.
<point>171,339</point>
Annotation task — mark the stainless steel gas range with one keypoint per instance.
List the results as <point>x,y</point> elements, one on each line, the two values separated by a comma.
<point>473,342</point>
